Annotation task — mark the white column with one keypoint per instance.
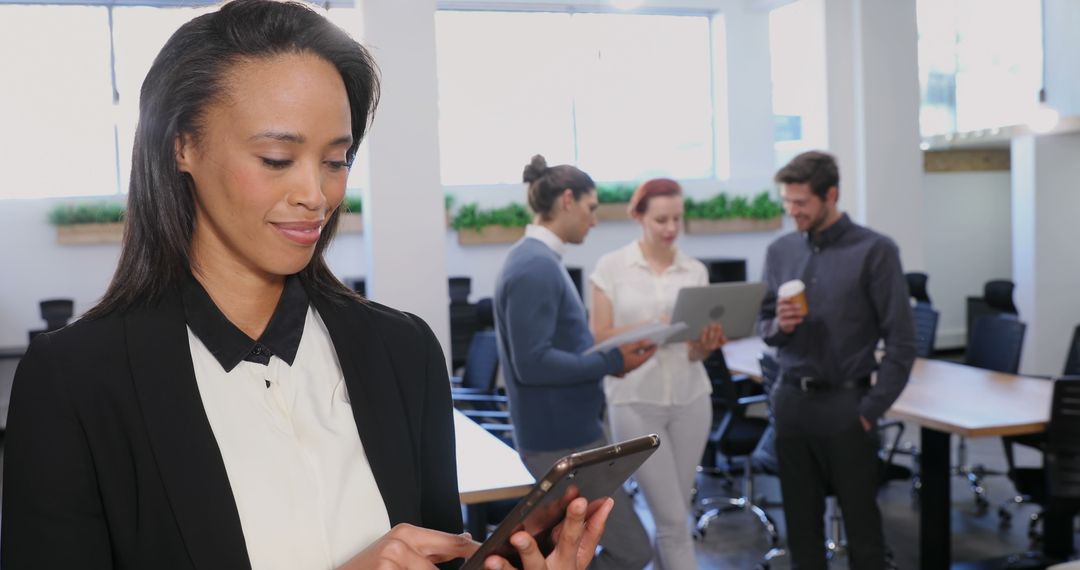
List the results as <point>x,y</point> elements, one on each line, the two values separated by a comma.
<point>873,82</point>
<point>404,223</point>
<point>746,72</point>
<point>1047,276</point>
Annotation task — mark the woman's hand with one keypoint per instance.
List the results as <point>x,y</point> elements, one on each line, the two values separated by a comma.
<point>575,540</point>
<point>408,547</point>
<point>712,337</point>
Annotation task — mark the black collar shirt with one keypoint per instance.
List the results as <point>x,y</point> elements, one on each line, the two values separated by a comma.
<point>229,344</point>
<point>857,295</point>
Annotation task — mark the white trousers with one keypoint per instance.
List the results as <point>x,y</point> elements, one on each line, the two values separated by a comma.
<point>667,478</point>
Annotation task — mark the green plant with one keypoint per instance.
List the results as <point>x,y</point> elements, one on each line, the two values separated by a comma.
<point>763,207</point>
<point>353,204</point>
<point>472,217</point>
<point>448,201</point>
<point>721,207</point>
<point>87,213</point>
<point>614,193</point>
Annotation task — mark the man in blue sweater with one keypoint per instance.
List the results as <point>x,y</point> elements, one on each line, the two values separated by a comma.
<point>556,392</point>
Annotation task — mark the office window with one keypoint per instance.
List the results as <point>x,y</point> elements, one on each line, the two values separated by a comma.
<point>139,33</point>
<point>597,90</point>
<point>68,113</point>
<point>797,53</point>
<point>980,63</point>
<point>56,104</point>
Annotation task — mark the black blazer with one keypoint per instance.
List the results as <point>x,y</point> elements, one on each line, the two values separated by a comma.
<point>110,462</point>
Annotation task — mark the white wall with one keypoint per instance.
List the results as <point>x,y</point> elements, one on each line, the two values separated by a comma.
<point>36,268</point>
<point>967,233</point>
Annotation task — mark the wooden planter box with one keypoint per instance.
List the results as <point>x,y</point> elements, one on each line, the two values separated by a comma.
<point>613,211</point>
<point>732,225</point>
<point>490,235</point>
<point>80,234</point>
<point>351,224</point>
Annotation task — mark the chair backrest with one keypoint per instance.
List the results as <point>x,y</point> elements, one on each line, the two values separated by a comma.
<point>576,277</point>
<point>56,312</point>
<point>485,313</point>
<point>1063,441</point>
<point>460,287</point>
<point>998,293</point>
<point>916,283</point>
<point>1072,361</point>
<point>996,344</point>
<point>926,320</point>
<point>482,362</point>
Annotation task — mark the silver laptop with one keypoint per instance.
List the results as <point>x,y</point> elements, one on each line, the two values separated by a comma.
<point>734,305</point>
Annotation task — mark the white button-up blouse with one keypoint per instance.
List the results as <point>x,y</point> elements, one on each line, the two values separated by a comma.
<point>638,294</point>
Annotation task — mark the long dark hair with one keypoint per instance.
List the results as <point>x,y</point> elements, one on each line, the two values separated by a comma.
<point>188,76</point>
<point>547,183</point>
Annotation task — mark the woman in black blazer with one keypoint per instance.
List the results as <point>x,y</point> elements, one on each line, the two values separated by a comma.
<point>249,120</point>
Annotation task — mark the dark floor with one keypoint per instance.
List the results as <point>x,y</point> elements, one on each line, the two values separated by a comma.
<point>737,540</point>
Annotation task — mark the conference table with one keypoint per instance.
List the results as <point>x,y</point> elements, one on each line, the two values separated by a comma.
<point>488,470</point>
<point>946,398</point>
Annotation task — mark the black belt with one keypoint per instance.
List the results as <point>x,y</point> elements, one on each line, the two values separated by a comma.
<point>811,384</point>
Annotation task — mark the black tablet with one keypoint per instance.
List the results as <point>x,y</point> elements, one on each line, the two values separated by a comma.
<point>593,474</point>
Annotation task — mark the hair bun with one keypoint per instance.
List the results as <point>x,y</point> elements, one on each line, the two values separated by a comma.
<point>536,168</point>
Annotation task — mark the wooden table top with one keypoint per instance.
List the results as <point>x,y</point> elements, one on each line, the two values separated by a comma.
<point>488,469</point>
<point>947,396</point>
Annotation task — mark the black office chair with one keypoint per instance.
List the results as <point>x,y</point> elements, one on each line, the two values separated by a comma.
<point>736,437</point>
<point>996,300</point>
<point>1072,361</point>
<point>996,344</point>
<point>926,321</point>
<point>916,283</point>
<point>485,313</point>
<point>1057,482</point>
<point>56,313</point>
<point>1035,441</point>
<point>998,294</point>
<point>463,320</point>
<point>475,393</point>
<point>460,287</point>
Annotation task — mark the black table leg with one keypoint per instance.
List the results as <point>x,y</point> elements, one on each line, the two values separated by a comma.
<point>935,503</point>
<point>476,520</point>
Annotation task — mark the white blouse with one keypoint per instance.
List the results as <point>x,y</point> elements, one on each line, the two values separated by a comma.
<point>303,487</point>
<point>639,294</point>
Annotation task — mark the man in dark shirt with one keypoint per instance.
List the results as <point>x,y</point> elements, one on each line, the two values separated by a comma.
<point>824,404</point>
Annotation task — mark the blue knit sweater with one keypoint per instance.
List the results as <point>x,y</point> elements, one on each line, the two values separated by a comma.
<point>556,395</point>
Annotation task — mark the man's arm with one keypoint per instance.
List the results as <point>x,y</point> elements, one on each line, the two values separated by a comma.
<point>889,297</point>
<point>532,308</point>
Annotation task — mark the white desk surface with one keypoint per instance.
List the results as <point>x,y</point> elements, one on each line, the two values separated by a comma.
<point>488,469</point>
<point>947,396</point>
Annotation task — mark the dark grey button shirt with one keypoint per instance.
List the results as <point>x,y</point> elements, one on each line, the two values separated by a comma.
<point>857,295</point>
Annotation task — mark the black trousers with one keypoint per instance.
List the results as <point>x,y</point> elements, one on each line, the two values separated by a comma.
<point>843,463</point>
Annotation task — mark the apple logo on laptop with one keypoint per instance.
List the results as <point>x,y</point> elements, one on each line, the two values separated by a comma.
<point>716,313</point>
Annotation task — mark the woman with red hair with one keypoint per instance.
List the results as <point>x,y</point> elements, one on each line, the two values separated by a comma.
<point>669,394</point>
